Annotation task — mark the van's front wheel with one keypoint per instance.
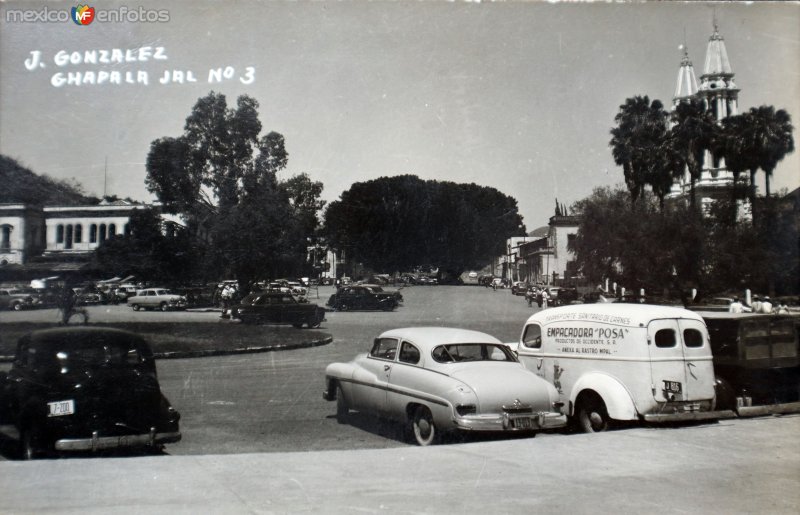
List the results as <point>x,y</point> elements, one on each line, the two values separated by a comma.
<point>592,416</point>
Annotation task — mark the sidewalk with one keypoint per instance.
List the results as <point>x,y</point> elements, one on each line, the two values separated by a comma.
<point>739,466</point>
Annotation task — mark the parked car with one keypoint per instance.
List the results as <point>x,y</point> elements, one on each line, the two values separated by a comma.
<point>374,288</point>
<point>157,298</point>
<point>361,297</point>
<point>88,297</point>
<point>16,299</point>
<point>437,379</point>
<point>276,307</point>
<point>519,288</point>
<point>85,389</point>
<point>756,358</point>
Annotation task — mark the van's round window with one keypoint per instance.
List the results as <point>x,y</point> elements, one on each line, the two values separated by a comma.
<point>692,338</point>
<point>665,338</point>
<point>532,337</point>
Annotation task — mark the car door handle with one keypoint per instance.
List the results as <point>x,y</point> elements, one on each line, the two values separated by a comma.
<point>386,367</point>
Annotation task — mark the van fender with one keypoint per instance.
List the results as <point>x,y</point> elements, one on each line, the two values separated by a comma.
<point>617,398</point>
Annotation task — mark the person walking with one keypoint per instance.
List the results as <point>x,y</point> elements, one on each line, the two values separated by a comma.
<point>67,303</point>
<point>545,299</point>
<point>766,306</point>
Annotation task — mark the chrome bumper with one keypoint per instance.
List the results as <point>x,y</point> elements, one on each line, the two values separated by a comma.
<point>96,442</point>
<point>506,422</point>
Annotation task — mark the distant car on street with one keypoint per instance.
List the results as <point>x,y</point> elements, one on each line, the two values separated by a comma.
<point>374,288</point>
<point>361,297</point>
<point>436,380</point>
<point>276,307</point>
<point>519,288</point>
<point>157,298</point>
<point>12,298</point>
<point>85,389</point>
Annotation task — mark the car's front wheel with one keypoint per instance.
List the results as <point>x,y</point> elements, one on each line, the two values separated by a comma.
<point>18,306</point>
<point>343,307</point>
<point>425,432</point>
<point>164,306</point>
<point>136,307</point>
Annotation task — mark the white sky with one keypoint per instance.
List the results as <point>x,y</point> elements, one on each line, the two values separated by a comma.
<point>516,95</point>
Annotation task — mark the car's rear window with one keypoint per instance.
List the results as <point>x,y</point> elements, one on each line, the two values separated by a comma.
<point>462,352</point>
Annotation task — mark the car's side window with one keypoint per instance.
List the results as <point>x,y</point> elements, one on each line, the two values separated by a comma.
<point>384,348</point>
<point>409,354</point>
<point>532,337</point>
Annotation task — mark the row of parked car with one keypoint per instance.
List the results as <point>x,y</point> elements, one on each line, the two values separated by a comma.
<point>591,366</point>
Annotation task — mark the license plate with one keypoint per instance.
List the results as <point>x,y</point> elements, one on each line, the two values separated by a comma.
<point>522,423</point>
<point>61,408</point>
<point>672,386</point>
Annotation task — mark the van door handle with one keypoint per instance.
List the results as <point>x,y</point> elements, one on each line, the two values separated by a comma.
<point>690,365</point>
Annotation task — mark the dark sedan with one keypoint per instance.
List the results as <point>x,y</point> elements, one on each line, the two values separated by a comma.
<point>362,297</point>
<point>85,389</point>
<point>277,307</point>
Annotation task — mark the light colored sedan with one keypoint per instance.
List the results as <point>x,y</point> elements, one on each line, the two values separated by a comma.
<point>437,379</point>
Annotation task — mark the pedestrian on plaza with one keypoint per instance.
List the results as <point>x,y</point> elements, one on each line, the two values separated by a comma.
<point>67,303</point>
<point>782,309</point>
<point>545,299</point>
<point>735,306</point>
<point>756,304</point>
<point>227,297</point>
<point>539,297</point>
<point>766,306</point>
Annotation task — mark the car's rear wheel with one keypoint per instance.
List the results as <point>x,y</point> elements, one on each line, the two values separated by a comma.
<point>425,432</point>
<point>592,415</point>
<point>136,307</point>
<point>344,307</point>
<point>31,443</point>
<point>18,306</point>
<point>342,409</point>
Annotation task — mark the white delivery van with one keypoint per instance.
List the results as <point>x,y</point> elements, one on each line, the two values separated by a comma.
<point>615,362</point>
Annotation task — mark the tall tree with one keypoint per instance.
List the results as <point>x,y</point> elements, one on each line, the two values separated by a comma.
<point>729,144</point>
<point>771,136</point>
<point>640,131</point>
<point>692,133</point>
<point>221,176</point>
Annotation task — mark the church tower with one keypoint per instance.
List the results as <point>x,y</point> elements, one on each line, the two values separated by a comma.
<point>720,96</point>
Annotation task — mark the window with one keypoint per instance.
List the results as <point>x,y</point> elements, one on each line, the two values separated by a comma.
<point>532,337</point>
<point>112,230</point>
<point>665,338</point>
<point>692,338</point>
<point>409,354</point>
<point>68,242</point>
<point>5,238</point>
<point>93,233</point>
<point>102,233</point>
<point>461,352</point>
<point>78,238</point>
<point>59,233</point>
<point>384,348</point>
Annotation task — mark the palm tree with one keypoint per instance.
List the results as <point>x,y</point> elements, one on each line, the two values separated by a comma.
<point>692,135</point>
<point>772,138</point>
<point>729,143</point>
<point>640,130</point>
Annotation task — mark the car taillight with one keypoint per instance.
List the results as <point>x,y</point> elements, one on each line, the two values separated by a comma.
<point>468,409</point>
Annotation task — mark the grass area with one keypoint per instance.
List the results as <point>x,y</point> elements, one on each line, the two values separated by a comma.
<point>182,337</point>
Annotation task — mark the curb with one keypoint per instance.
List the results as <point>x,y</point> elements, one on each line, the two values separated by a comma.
<point>219,352</point>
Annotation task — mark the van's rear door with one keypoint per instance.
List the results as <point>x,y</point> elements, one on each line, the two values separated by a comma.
<point>680,361</point>
<point>667,367</point>
<point>699,360</point>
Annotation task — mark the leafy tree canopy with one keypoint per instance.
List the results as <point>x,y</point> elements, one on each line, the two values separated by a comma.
<point>396,223</point>
<point>221,175</point>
